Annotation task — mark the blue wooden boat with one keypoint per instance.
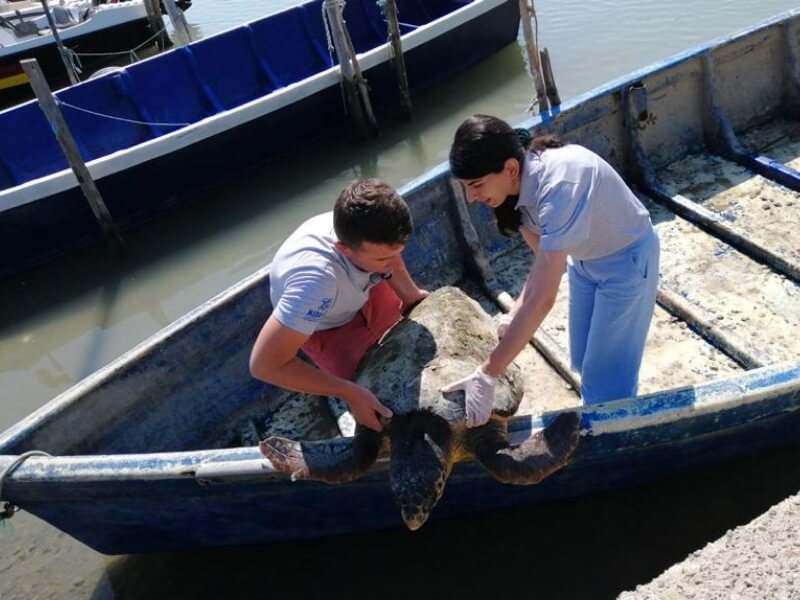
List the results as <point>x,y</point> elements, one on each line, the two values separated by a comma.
<point>157,450</point>
<point>198,115</point>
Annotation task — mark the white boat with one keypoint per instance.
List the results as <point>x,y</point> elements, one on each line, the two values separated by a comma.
<point>92,32</point>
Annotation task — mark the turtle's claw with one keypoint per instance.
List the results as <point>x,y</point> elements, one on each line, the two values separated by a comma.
<point>286,456</point>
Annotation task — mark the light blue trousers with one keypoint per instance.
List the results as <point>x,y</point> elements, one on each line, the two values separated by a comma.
<point>611,302</point>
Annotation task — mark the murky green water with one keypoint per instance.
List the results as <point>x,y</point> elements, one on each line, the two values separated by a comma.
<point>61,322</point>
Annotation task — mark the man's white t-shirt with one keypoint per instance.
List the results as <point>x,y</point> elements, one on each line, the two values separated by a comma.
<point>313,286</point>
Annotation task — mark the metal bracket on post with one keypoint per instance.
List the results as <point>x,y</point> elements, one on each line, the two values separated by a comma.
<point>49,106</point>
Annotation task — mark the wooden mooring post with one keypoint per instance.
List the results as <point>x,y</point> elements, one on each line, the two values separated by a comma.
<point>64,137</point>
<point>354,84</point>
<point>62,50</point>
<point>156,21</point>
<point>539,61</point>
<point>527,14</point>
<point>178,19</point>
<point>396,46</point>
<point>549,80</point>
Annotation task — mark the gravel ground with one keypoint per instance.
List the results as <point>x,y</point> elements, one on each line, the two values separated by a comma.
<point>753,562</point>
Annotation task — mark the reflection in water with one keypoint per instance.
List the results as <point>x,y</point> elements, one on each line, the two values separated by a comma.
<point>582,548</point>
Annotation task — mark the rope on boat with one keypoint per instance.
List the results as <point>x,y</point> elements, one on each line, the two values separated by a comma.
<point>97,114</point>
<point>8,508</point>
<point>75,57</point>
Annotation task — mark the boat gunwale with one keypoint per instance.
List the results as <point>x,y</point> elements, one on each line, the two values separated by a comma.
<point>616,85</point>
<point>622,416</point>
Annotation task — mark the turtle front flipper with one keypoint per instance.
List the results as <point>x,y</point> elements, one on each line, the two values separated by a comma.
<point>538,457</point>
<point>327,460</point>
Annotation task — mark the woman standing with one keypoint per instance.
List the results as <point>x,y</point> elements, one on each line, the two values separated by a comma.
<point>575,212</point>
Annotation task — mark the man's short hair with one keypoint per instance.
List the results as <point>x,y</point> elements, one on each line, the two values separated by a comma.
<point>369,210</point>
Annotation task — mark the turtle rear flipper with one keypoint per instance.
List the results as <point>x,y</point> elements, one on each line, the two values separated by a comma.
<point>328,461</point>
<point>530,462</point>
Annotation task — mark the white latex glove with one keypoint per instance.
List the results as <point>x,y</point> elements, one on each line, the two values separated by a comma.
<point>478,395</point>
<point>502,324</point>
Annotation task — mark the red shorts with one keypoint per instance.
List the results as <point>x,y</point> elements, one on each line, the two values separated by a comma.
<point>339,350</point>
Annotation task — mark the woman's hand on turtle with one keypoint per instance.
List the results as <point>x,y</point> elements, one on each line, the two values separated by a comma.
<point>478,390</point>
<point>366,408</point>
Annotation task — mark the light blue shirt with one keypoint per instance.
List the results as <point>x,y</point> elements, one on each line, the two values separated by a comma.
<point>312,285</point>
<point>577,202</point>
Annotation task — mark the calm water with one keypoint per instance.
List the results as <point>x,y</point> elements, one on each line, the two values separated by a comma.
<point>61,322</point>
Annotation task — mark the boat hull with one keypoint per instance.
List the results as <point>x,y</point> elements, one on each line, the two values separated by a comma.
<point>158,502</point>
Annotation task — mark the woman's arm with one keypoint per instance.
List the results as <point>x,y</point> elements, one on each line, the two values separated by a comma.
<point>532,239</point>
<point>533,305</point>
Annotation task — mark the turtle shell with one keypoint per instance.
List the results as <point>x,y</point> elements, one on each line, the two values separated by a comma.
<point>443,339</point>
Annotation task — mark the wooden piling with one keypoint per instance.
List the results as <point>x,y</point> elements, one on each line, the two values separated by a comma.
<point>395,44</point>
<point>549,80</point>
<point>62,50</point>
<point>527,14</point>
<point>47,102</point>
<point>178,19</point>
<point>355,89</point>
<point>156,21</point>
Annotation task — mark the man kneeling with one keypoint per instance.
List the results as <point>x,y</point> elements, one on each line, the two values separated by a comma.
<point>337,284</point>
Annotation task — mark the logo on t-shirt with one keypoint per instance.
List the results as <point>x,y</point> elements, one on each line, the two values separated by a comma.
<point>318,313</point>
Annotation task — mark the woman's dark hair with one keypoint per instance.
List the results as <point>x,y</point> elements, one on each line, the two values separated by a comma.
<point>482,145</point>
<point>369,210</point>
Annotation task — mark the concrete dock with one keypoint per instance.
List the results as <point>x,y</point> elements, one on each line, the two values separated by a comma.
<point>757,561</point>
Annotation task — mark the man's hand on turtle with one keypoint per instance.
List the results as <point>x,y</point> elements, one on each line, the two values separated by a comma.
<point>478,390</point>
<point>409,304</point>
<point>366,408</point>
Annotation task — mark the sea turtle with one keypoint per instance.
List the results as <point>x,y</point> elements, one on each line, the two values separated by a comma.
<point>443,339</point>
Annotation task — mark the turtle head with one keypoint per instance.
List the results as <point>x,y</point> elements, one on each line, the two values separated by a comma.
<point>421,460</point>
